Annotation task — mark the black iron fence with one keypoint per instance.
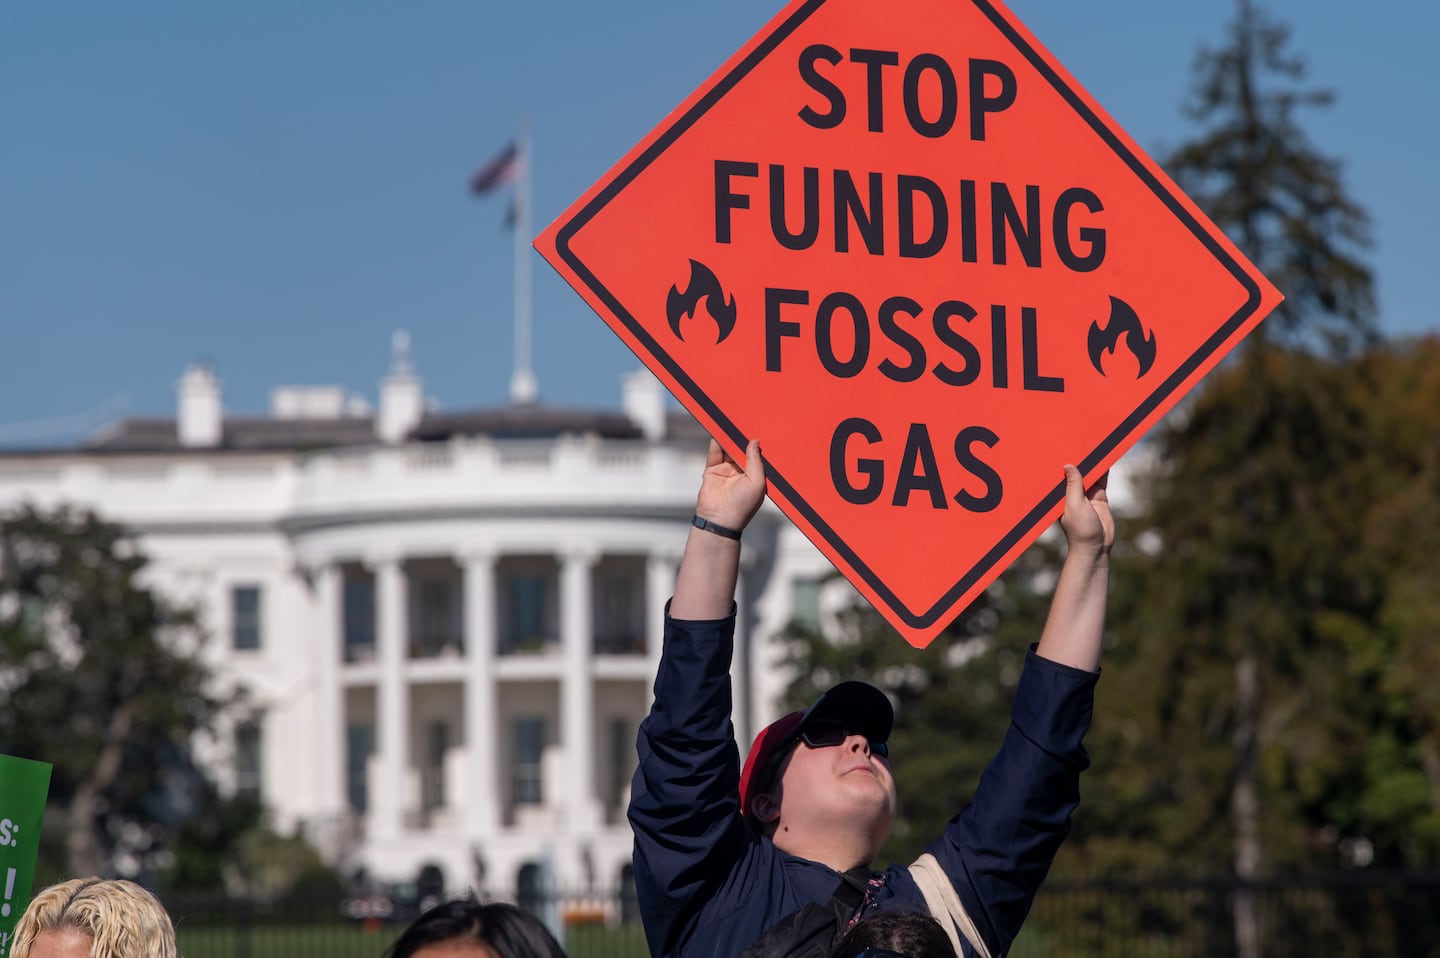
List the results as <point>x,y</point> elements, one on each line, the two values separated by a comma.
<point>1334,916</point>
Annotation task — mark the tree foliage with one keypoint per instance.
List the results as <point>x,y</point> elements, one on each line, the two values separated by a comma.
<point>103,679</point>
<point>1245,517</point>
<point>1255,173</point>
<point>233,850</point>
<point>1309,554</point>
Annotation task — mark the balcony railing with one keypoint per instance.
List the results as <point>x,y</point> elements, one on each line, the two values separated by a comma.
<point>437,645</point>
<point>627,642</point>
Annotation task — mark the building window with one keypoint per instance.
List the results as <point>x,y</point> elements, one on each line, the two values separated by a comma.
<point>530,891</point>
<point>432,788</point>
<point>526,780</point>
<point>525,613</point>
<point>529,612</point>
<point>359,616</point>
<point>245,617</point>
<point>359,746</point>
<point>629,896</point>
<point>437,627</point>
<point>527,608</point>
<point>805,603</point>
<point>622,760</point>
<point>247,757</point>
<point>620,608</point>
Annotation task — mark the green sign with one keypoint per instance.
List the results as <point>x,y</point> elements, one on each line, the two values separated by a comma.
<point>23,786</point>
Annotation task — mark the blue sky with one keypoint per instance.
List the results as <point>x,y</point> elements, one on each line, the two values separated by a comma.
<point>276,187</point>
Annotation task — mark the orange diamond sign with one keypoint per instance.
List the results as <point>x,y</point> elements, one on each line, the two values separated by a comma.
<point>900,245</point>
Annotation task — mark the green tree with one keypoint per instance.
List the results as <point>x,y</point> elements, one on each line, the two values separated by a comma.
<point>1392,812</point>
<point>1278,634</point>
<point>233,850</point>
<point>1240,462</point>
<point>102,678</point>
<point>1257,175</point>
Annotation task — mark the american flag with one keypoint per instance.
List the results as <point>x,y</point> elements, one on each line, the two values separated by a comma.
<point>501,171</point>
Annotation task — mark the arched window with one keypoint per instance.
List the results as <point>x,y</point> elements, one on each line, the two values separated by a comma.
<point>530,888</point>
<point>629,898</point>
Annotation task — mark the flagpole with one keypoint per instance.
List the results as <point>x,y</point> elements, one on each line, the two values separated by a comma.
<point>522,380</point>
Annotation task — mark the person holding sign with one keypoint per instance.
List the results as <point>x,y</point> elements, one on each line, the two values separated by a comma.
<point>87,917</point>
<point>774,861</point>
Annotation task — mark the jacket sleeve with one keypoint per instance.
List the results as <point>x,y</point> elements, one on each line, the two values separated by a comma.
<point>998,851</point>
<point>684,804</point>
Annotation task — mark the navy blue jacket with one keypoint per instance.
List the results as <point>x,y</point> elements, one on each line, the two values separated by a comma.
<point>708,885</point>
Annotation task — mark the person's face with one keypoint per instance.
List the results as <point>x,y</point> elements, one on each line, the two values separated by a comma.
<point>455,948</point>
<point>844,785</point>
<point>61,943</point>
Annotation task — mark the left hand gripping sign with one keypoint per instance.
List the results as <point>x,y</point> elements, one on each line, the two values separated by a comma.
<point>23,787</point>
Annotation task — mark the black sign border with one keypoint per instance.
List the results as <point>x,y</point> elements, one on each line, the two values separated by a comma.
<point>929,617</point>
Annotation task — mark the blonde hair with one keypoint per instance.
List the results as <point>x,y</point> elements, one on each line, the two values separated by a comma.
<point>121,919</point>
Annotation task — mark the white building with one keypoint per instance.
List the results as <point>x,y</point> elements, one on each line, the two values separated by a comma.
<point>448,623</point>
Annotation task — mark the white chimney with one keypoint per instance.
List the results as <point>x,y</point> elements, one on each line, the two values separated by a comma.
<point>201,418</point>
<point>643,399</point>
<point>402,400</point>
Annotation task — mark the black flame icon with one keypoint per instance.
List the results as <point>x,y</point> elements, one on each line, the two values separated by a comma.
<point>702,285</point>
<point>1122,322</point>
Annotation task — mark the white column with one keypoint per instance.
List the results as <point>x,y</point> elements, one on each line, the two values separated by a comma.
<point>577,692</point>
<point>392,702</point>
<point>660,570</point>
<point>483,735</point>
<point>740,684</point>
<point>330,697</point>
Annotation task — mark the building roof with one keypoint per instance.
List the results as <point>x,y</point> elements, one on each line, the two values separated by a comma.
<point>272,434</point>
<point>529,421</point>
<point>238,433</point>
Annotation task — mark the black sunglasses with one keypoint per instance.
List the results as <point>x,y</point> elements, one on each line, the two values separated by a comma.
<point>828,734</point>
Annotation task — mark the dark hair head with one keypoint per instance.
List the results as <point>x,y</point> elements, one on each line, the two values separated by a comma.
<point>510,932</point>
<point>909,933</point>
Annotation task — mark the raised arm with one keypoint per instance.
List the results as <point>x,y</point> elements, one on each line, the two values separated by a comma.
<point>685,796</point>
<point>1076,623</point>
<point>997,852</point>
<point>730,495</point>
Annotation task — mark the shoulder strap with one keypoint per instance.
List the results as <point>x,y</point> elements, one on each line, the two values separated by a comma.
<point>945,905</point>
<point>850,893</point>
